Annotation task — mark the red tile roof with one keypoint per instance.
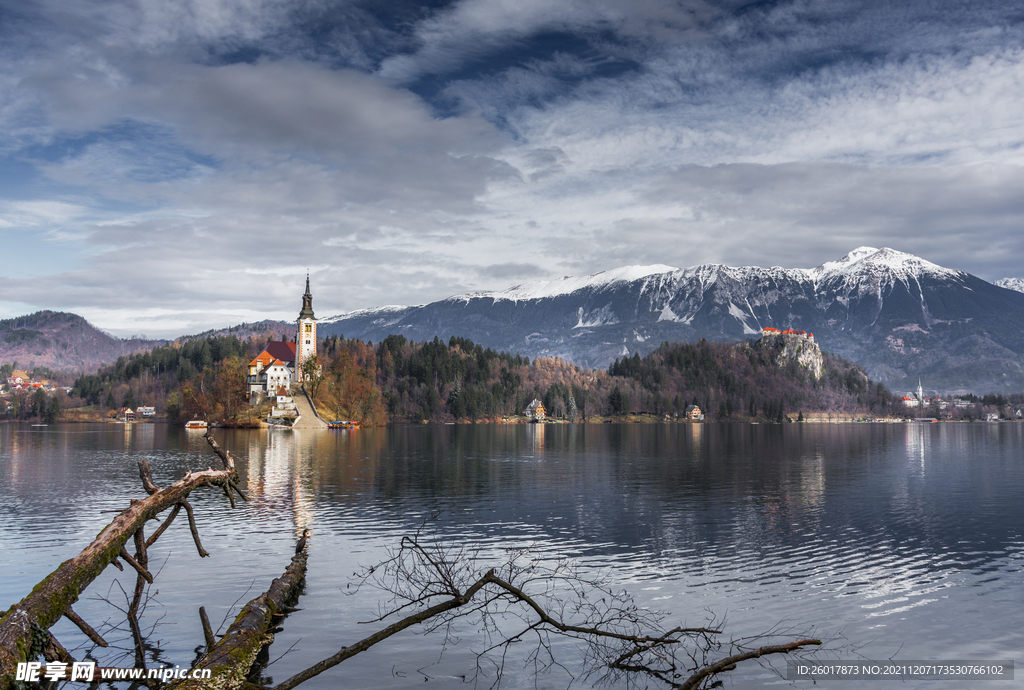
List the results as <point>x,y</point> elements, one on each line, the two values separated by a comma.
<point>282,350</point>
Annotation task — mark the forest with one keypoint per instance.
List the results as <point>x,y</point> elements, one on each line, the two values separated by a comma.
<point>398,380</point>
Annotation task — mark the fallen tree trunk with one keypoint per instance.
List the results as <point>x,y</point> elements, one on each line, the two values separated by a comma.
<point>53,597</point>
<point>231,659</point>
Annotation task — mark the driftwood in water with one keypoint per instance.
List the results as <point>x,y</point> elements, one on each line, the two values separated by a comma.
<point>430,584</point>
<point>53,597</point>
<point>231,659</point>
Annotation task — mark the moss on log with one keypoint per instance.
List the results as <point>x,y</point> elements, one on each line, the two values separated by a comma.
<point>231,659</point>
<point>51,598</point>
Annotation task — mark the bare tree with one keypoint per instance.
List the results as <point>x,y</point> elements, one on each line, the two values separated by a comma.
<point>444,588</point>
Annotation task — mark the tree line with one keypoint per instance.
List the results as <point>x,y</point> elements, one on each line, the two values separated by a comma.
<point>458,380</point>
<point>745,380</point>
<point>398,380</point>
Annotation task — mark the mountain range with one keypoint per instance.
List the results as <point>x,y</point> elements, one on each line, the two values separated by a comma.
<point>899,316</point>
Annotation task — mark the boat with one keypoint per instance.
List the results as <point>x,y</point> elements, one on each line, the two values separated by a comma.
<point>343,425</point>
<point>195,424</point>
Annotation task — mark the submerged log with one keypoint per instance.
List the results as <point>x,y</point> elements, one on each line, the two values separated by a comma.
<point>53,597</point>
<point>231,659</point>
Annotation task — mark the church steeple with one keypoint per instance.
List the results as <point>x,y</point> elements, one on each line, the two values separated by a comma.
<point>305,332</point>
<point>307,303</point>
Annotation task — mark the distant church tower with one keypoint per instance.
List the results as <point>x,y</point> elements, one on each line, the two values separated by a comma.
<point>305,332</point>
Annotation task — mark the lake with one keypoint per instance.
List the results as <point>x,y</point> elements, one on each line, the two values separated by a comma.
<point>900,541</point>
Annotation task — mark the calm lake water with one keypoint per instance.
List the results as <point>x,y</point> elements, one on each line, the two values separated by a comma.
<point>899,541</point>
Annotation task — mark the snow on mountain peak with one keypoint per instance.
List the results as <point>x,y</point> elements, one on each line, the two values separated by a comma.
<point>870,260</point>
<point>1011,284</point>
<point>569,284</point>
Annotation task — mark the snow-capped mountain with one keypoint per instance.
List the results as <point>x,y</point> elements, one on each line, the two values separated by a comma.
<point>896,314</point>
<point>1011,284</point>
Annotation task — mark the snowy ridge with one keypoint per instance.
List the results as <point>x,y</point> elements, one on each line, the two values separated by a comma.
<point>1016,284</point>
<point>570,284</point>
<point>372,311</point>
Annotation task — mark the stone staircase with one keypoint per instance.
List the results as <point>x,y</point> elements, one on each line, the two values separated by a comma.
<point>308,418</point>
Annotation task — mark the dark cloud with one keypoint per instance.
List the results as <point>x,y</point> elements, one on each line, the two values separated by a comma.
<point>207,152</point>
<point>510,271</point>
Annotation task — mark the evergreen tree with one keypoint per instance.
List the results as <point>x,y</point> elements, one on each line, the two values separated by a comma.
<point>39,403</point>
<point>53,410</point>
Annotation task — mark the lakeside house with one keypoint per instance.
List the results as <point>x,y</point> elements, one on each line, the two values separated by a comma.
<point>535,410</point>
<point>284,410</point>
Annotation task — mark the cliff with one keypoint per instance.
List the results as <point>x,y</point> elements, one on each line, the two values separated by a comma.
<point>798,346</point>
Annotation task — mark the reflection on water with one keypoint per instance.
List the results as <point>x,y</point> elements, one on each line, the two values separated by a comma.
<point>907,538</point>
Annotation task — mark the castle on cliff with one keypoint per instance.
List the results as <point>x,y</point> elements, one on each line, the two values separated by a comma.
<point>794,345</point>
<point>770,333</point>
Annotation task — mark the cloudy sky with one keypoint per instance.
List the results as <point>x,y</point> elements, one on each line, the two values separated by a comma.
<point>168,166</point>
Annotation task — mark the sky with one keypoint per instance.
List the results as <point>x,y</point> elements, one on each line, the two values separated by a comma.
<point>170,166</point>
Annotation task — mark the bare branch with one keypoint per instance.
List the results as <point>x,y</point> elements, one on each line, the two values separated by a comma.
<point>85,627</point>
<point>203,553</point>
<point>160,530</point>
<point>435,585</point>
<point>138,566</point>
<point>729,663</point>
<point>207,630</point>
<point>147,478</point>
<point>367,642</point>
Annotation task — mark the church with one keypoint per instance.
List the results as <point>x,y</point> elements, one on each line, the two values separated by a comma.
<point>280,363</point>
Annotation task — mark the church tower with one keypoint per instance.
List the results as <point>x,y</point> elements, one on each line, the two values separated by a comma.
<point>305,332</point>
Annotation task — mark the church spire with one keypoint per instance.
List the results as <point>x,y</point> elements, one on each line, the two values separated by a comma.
<point>307,303</point>
<point>305,333</point>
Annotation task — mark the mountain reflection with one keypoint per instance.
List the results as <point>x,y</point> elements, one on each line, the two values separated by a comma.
<point>661,493</point>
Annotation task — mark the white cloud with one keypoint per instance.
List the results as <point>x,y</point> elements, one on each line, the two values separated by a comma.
<point>756,137</point>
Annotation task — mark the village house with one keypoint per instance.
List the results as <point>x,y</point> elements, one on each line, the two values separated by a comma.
<point>23,380</point>
<point>535,410</point>
<point>271,369</point>
<point>284,407</point>
<point>694,412</point>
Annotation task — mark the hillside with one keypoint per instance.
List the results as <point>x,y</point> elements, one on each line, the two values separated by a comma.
<point>62,342</point>
<point>267,329</point>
